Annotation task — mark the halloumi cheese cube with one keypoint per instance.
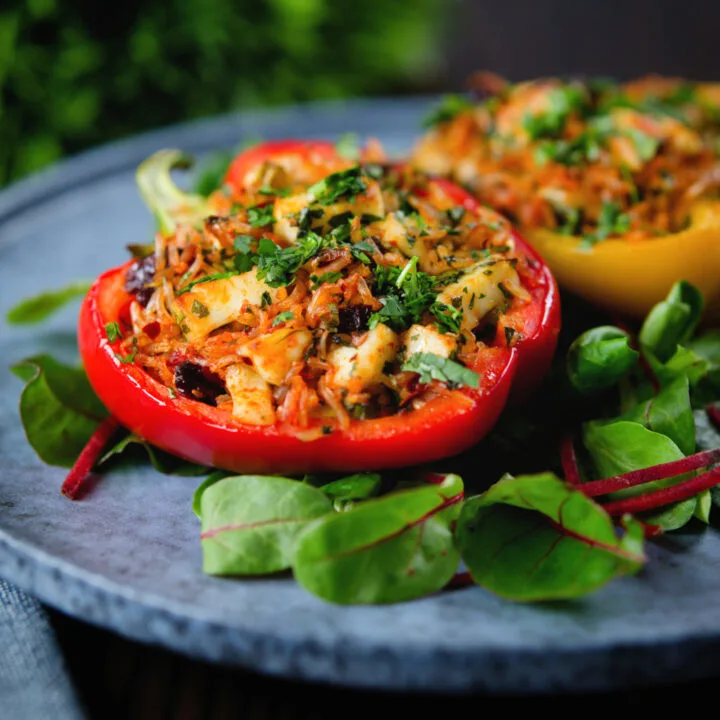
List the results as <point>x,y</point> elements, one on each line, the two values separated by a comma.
<point>210,305</point>
<point>251,396</point>
<point>482,287</point>
<point>393,235</point>
<point>273,354</point>
<point>286,210</point>
<point>424,339</point>
<point>362,366</point>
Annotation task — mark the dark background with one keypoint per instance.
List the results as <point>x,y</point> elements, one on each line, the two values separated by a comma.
<point>77,73</point>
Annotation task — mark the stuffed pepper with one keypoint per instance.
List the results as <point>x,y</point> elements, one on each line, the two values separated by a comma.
<point>318,314</point>
<point>621,200</point>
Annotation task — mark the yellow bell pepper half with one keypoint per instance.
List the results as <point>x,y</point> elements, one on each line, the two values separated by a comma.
<point>630,277</point>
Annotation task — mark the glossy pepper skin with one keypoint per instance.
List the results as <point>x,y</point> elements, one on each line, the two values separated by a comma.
<point>204,434</point>
<point>629,277</point>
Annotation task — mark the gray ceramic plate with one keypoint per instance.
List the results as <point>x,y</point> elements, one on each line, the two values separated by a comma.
<point>127,557</point>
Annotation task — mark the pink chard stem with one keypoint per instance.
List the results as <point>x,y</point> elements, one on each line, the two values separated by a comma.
<point>73,484</point>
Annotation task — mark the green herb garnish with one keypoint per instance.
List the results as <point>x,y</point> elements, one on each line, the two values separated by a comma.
<point>433,367</point>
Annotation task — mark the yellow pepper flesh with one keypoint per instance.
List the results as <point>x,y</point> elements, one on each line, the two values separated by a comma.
<point>630,277</point>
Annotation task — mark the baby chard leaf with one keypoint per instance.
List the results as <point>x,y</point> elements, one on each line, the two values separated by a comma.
<point>672,322</point>
<point>250,522</point>
<point>390,549</point>
<point>619,447</point>
<point>669,413</point>
<point>58,409</point>
<point>162,461</point>
<point>598,358</point>
<point>622,446</point>
<point>39,307</point>
<point>536,537</point>
<point>346,491</point>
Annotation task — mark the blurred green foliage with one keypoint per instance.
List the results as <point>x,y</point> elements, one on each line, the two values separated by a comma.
<point>74,74</point>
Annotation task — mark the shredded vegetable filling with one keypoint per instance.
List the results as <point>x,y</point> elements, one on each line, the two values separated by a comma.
<point>580,158</point>
<point>364,294</point>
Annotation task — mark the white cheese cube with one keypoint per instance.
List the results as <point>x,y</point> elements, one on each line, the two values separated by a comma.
<point>423,339</point>
<point>363,366</point>
<point>273,354</point>
<point>251,396</point>
<point>209,305</point>
<point>481,288</point>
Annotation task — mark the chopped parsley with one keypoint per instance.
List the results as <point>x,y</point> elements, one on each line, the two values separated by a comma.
<point>112,330</point>
<point>568,219</point>
<point>360,251</point>
<point>646,145</point>
<point>407,294</point>
<point>204,279</point>
<point>245,259</point>
<point>561,102</point>
<point>612,221</point>
<point>126,359</point>
<point>329,277</point>
<point>449,108</point>
<point>448,317</point>
<point>283,317</point>
<point>197,308</point>
<point>343,184</point>
<point>433,367</point>
<point>277,266</point>
<point>276,192</point>
<point>456,214</point>
<point>584,148</point>
<point>261,215</point>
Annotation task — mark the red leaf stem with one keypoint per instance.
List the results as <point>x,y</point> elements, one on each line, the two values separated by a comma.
<point>83,466</point>
<point>650,531</point>
<point>459,580</point>
<point>569,462</point>
<point>665,496</point>
<point>699,460</point>
<point>713,413</point>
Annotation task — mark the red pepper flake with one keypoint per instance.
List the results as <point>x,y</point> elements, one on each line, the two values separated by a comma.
<point>81,470</point>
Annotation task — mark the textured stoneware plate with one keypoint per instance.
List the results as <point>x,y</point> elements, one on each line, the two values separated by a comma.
<point>127,557</point>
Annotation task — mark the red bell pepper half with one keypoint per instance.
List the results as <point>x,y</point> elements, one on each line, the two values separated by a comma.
<point>444,426</point>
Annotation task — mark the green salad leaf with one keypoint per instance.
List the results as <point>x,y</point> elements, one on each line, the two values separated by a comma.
<point>346,491</point>
<point>58,409</point>
<point>673,321</point>
<point>250,522</point>
<point>535,537</point>
<point>669,413</point>
<point>40,307</point>
<point>599,357</point>
<point>393,548</point>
